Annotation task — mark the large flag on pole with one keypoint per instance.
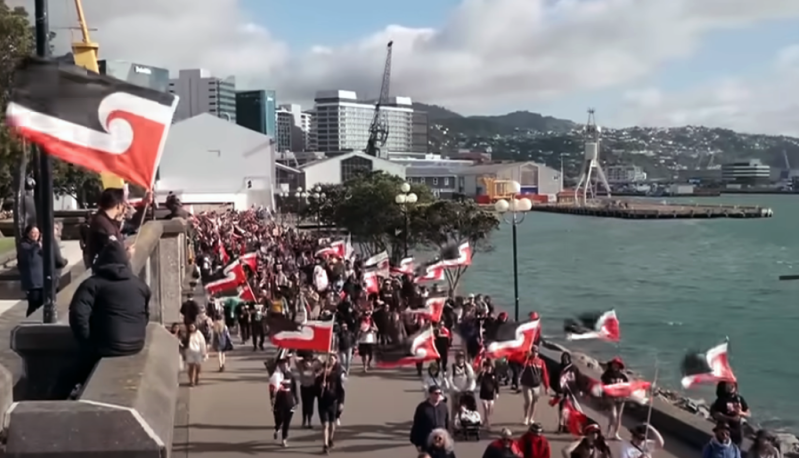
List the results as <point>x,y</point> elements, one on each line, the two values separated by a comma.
<point>94,121</point>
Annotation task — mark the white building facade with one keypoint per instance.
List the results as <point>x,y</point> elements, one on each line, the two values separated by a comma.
<point>624,174</point>
<point>200,92</point>
<point>341,122</point>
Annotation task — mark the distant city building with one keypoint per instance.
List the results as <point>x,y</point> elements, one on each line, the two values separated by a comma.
<point>341,122</point>
<point>625,174</point>
<point>200,92</point>
<point>139,74</point>
<point>420,137</point>
<point>746,173</point>
<point>257,110</point>
<point>479,181</point>
<point>293,128</point>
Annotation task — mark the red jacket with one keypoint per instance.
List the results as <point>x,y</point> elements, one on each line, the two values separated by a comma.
<point>542,365</point>
<point>534,446</point>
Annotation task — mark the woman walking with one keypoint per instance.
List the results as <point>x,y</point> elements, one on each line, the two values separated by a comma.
<point>307,375</point>
<point>196,351</point>
<point>222,341</point>
<point>489,390</point>
<point>283,394</point>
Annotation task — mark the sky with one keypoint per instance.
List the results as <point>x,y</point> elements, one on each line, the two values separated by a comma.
<point>720,63</point>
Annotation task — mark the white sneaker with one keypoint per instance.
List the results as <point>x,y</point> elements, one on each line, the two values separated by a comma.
<point>284,443</point>
<point>338,422</point>
<point>526,421</point>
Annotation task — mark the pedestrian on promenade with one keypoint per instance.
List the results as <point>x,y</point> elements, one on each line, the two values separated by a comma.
<point>329,386</point>
<point>643,442</point>
<point>461,380</point>
<point>534,379</point>
<point>307,368</point>
<point>283,396</point>
<point>731,408</point>
<point>257,316</point>
<point>613,374</point>
<point>31,268</point>
<point>721,445</point>
<point>504,447</point>
<point>567,388</point>
<point>434,378</point>
<point>222,341</point>
<point>367,338</point>
<point>592,444</point>
<point>440,444</point>
<point>429,415</point>
<point>764,446</point>
<point>196,352</point>
<point>533,444</point>
<point>489,390</point>
<point>346,345</point>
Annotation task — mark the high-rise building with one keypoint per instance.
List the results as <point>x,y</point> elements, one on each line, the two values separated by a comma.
<point>419,132</point>
<point>138,74</point>
<point>200,92</point>
<point>293,128</point>
<point>257,110</point>
<point>341,122</point>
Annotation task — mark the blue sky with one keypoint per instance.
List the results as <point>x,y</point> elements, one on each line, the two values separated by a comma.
<point>747,52</point>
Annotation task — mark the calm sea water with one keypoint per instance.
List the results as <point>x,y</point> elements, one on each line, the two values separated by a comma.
<point>675,285</point>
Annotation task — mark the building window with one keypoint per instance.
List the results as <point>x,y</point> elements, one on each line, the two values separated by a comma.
<point>446,181</point>
<point>352,167</point>
<point>435,181</point>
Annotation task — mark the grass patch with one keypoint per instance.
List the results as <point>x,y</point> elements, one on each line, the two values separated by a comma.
<point>6,245</point>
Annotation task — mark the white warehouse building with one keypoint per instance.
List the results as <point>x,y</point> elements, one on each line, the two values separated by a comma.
<point>341,122</point>
<point>200,92</point>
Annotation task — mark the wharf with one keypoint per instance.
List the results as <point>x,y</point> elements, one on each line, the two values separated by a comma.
<point>635,210</point>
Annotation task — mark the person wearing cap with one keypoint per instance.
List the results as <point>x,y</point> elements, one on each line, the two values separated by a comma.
<point>430,414</point>
<point>592,444</point>
<point>533,378</point>
<point>533,444</point>
<point>644,440</point>
<point>720,445</point>
<point>504,447</point>
<point>613,375</point>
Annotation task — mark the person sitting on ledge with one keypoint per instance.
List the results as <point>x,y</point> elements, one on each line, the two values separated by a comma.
<point>109,311</point>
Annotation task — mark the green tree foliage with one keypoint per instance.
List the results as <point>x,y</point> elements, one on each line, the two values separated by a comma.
<point>365,206</point>
<point>447,222</point>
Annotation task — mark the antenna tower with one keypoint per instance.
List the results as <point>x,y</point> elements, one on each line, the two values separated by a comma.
<point>591,174</point>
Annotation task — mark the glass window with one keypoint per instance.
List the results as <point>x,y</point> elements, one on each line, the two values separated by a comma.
<point>354,166</point>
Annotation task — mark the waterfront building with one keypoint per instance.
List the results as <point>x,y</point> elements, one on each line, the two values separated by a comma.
<point>625,174</point>
<point>746,173</point>
<point>201,92</point>
<point>139,74</point>
<point>257,110</point>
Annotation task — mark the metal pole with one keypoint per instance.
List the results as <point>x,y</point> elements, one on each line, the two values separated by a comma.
<point>45,220</point>
<point>515,272</point>
<point>407,228</point>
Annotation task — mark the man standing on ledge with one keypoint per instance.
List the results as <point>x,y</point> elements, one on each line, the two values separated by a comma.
<point>106,224</point>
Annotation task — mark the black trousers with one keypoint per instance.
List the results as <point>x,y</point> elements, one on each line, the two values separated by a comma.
<point>35,300</point>
<point>257,335</point>
<point>515,370</point>
<point>283,420</point>
<point>76,375</point>
<point>244,330</point>
<point>307,398</point>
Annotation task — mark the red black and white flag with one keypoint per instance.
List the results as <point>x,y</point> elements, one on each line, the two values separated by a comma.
<point>574,417</point>
<point>430,271</point>
<point>316,336</point>
<point>418,348</point>
<point>91,120</point>
<point>371,281</point>
<point>459,255</point>
<point>379,262</point>
<point>432,310</point>
<point>634,390</point>
<point>511,339</point>
<point>246,294</point>
<point>227,284</point>
<point>603,326</point>
<point>405,267</point>
<point>337,248</point>
<point>711,367</point>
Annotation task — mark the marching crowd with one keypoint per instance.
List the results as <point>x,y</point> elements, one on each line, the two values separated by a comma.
<point>325,308</point>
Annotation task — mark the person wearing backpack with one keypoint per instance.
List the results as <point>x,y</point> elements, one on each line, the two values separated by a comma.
<point>533,379</point>
<point>461,380</point>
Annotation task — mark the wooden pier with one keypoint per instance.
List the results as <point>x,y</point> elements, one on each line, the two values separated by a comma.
<point>636,210</point>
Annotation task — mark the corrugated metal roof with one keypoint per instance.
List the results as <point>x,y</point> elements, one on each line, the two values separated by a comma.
<point>418,171</point>
<point>491,168</point>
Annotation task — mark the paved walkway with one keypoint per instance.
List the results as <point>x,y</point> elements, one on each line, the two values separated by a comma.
<point>229,417</point>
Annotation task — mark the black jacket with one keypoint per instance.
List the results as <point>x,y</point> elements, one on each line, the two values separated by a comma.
<point>110,310</point>
<point>30,264</point>
<point>102,230</point>
<point>427,418</point>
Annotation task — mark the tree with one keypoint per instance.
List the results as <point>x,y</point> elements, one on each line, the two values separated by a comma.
<point>70,180</point>
<point>365,206</point>
<point>447,222</point>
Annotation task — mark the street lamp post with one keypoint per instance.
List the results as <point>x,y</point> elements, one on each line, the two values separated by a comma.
<point>302,196</point>
<point>318,197</point>
<point>513,213</point>
<point>403,199</point>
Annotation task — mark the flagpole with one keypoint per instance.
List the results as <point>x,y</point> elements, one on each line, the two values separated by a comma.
<point>651,402</point>
<point>45,183</point>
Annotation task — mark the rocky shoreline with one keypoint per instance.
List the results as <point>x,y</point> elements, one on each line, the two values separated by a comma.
<point>788,442</point>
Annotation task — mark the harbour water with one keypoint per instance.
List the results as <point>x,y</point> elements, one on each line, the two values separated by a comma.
<point>675,285</point>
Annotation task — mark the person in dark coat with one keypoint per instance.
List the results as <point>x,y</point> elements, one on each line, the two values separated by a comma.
<point>109,311</point>
<point>105,225</point>
<point>430,414</point>
<point>504,447</point>
<point>31,268</point>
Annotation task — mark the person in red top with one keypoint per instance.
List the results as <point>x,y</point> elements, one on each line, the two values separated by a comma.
<point>534,379</point>
<point>533,444</point>
<point>504,447</point>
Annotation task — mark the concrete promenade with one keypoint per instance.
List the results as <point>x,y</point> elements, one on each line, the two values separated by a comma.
<point>228,416</point>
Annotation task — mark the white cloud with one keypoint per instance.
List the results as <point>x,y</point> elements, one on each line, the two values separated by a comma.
<point>488,53</point>
<point>768,103</point>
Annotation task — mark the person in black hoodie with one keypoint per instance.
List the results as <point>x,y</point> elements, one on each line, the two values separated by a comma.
<point>330,389</point>
<point>431,414</point>
<point>284,399</point>
<point>109,311</point>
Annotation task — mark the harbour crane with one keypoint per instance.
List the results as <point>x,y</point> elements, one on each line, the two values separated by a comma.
<point>85,52</point>
<point>378,130</point>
